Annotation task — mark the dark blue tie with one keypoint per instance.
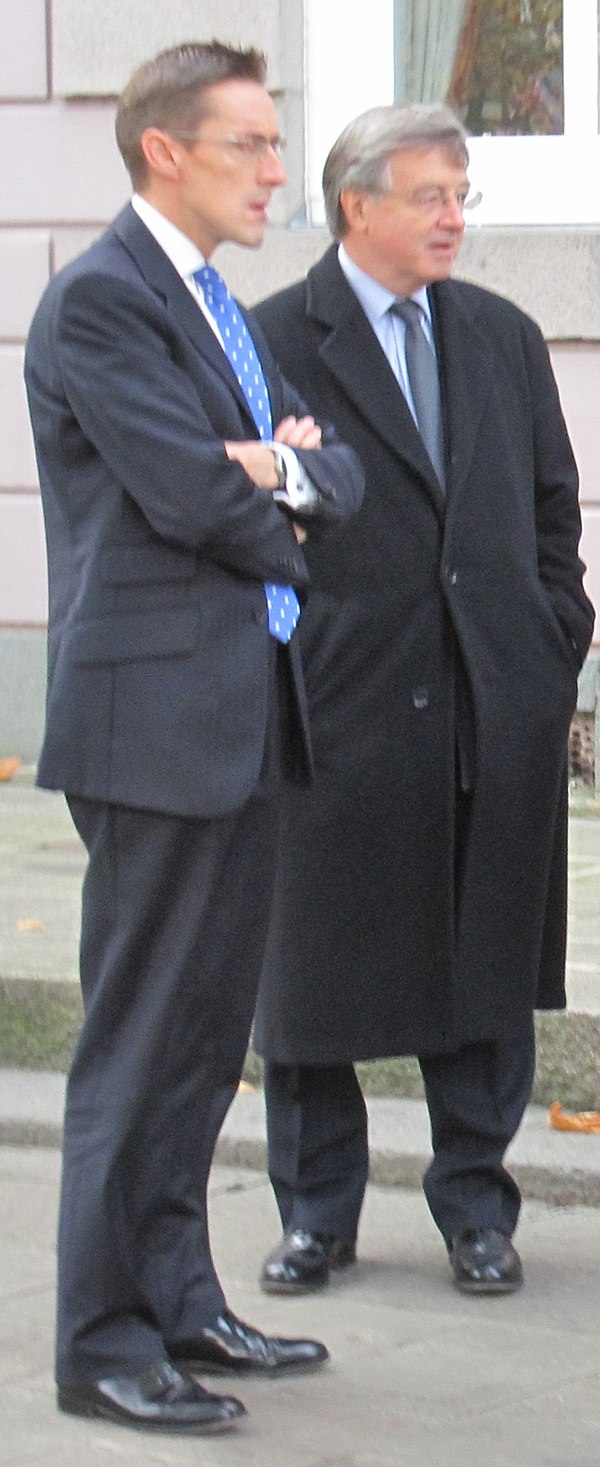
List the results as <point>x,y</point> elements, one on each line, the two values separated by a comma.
<point>282,602</point>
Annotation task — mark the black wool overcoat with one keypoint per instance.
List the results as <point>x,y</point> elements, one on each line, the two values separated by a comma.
<point>426,613</point>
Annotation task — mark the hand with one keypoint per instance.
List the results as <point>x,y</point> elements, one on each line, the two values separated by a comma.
<point>257,460</point>
<point>298,433</point>
<point>299,532</point>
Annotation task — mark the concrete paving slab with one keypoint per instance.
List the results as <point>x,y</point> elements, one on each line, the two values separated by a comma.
<point>420,1376</point>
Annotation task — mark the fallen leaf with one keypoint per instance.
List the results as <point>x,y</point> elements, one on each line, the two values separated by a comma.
<point>586,1121</point>
<point>243,1087</point>
<point>8,767</point>
<point>30,924</point>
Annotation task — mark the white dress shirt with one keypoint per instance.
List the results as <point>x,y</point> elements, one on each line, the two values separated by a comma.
<point>299,493</point>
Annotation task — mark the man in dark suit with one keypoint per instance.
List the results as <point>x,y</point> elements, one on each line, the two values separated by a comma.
<point>420,896</point>
<point>175,702</point>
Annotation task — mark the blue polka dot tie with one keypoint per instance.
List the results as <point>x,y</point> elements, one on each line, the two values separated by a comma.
<point>283,605</point>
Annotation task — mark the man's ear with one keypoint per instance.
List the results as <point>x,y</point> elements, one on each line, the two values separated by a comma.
<point>161,152</point>
<point>355,205</point>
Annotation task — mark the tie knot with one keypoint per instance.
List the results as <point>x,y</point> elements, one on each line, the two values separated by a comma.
<point>211,283</point>
<point>408,310</point>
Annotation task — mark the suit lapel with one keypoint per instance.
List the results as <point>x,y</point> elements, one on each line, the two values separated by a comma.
<point>161,276</point>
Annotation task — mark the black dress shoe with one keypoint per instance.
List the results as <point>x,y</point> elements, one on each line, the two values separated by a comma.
<point>484,1261</point>
<point>160,1399</point>
<point>302,1261</point>
<point>229,1344</point>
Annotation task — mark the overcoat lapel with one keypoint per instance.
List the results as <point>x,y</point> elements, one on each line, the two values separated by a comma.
<point>467,378</point>
<point>353,355</point>
<point>161,276</point>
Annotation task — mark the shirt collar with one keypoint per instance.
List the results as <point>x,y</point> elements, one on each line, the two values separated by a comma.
<point>181,251</point>
<point>375,298</point>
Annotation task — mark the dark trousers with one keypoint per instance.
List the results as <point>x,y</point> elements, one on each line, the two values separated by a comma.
<point>174,919</point>
<point>318,1141</point>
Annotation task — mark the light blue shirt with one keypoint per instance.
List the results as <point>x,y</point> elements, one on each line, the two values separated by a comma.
<point>389,329</point>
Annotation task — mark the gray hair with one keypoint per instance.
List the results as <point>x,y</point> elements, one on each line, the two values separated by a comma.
<point>360,157</point>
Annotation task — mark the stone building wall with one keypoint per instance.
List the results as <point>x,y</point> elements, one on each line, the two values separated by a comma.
<point>62,62</point>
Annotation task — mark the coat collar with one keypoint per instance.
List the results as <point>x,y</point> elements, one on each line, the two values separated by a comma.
<point>353,354</point>
<point>161,276</point>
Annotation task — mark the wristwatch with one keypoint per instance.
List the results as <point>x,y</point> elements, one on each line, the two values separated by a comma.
<point>280,469</point>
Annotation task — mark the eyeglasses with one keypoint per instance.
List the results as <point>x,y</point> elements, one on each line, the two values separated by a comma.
<point>430,200</point>
<point>253,145</point>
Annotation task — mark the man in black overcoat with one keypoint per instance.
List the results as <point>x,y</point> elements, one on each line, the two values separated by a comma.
<point>175,704</point>
<point>420,898</point>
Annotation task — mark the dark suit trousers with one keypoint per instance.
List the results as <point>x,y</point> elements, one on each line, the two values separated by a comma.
<point>174,919</point>
<point>318,1141</point>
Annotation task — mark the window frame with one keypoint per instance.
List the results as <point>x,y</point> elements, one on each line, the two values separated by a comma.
<point>545,181</point>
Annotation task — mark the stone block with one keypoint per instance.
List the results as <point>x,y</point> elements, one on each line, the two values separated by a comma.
<point>285,256</point>
<point>590,554</point>
<point>23,59</point>
<point>553,274</point>
<point>24,272</point>
<point>23,681</point>
<point>74,170</point>
<point>67,244</point>
<point>23,580</point>
<point>96,47</point>
<point>17,459</point>
<point>577,370</point>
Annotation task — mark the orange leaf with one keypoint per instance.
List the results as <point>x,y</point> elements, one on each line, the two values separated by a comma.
<point>8,767</point>
<point>586,1121</point>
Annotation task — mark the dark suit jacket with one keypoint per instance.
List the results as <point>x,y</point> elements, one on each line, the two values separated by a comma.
<point>428,616</point>
<point>157,544</point>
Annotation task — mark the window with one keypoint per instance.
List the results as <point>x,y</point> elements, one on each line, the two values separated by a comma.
<point>522,74</point>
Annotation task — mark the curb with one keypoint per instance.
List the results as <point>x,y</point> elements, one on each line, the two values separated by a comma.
<point>553,1167</point>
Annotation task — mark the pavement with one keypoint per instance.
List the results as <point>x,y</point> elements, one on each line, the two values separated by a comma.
<point>420,1376</point>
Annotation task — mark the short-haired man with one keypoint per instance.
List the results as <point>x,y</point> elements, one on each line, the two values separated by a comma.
<point>420,901</point>
<point>171,456</point>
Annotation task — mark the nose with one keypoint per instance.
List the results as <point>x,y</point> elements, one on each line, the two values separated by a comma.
<point>272,169</point>
<point>452,212</point>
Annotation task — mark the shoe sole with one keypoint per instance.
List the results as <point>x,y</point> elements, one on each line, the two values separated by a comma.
<point>249,1372</point>
<point>192,1428</point>
<point>488,1288</point>
<point>289,1288</point>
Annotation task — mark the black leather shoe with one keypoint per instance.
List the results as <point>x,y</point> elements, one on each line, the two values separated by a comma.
<point>484,1261</point>
<point>229,1344</point>
<point>302,1262</point>
<point>160,1399</point>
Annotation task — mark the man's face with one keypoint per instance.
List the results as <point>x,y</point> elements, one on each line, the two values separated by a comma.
<point>411,235</point>
<point>223,182</point>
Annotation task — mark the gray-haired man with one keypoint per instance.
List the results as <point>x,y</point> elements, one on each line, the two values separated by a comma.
<point>420,903</point>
